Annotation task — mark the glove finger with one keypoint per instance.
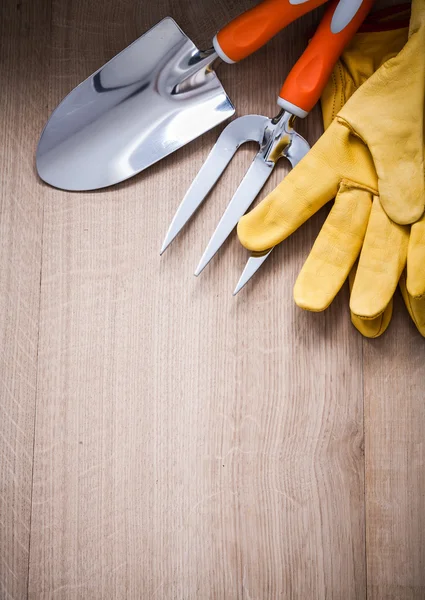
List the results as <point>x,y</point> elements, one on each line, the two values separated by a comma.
<point>416,260</point>
<point>308,187</point>
<point>394,136</point>
<point>371,328</point>
<point>335,250</point>
<point>382,260</point>
<point>403,170</point>
<point>415,306</point>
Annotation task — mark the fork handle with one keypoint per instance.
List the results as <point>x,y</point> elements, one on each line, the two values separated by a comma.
<point>255,27</point>
<point>308,78</point>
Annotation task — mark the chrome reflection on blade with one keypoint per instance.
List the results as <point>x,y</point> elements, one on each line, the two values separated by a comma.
<point>155,96</point>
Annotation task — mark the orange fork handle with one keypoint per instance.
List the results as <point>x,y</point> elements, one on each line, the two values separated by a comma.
<point>255,27</point>
<point>308,78</point>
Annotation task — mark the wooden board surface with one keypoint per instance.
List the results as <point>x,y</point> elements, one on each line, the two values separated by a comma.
<point>23,110</point>
<point>174,441</point>
<point>395,462</point>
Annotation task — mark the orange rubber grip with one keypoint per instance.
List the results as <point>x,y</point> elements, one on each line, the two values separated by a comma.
<point>308,78</point>
<point>255,27</point>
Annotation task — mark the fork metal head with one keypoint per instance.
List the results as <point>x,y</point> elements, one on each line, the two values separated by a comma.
<point>244,129</point>
<point>279,140</point>
<point>294,153</point>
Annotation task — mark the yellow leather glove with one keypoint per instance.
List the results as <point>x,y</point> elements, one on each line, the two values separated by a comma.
<point>388,115</point>
<point>366,53</point>
<point>342,166</point>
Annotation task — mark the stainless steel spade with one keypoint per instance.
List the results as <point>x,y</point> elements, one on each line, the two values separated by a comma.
<point>155,96</point>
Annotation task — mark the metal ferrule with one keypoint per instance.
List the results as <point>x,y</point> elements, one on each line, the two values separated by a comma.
<point>277,137</point>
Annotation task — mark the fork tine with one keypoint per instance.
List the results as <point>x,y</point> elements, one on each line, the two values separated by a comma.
<point>243,129</point>
<point>249,188</point>
<point>296,152</point>
<point>205,180</point>
<point>253,263</point>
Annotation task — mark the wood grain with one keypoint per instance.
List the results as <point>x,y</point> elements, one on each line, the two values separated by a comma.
<point>159,438</point>
<point>24,31</point>
<point>395,462</point>
<point>189,445</point>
